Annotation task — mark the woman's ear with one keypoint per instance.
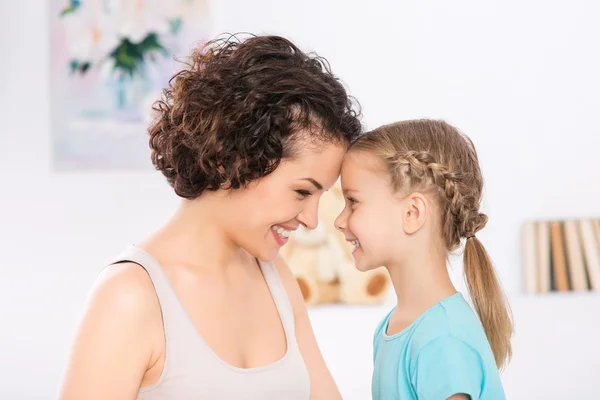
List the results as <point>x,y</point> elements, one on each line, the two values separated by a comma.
<point>416,211</point>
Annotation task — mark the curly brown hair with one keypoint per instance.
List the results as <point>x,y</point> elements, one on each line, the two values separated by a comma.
<point>240,107</point>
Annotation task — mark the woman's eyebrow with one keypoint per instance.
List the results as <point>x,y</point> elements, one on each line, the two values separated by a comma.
<point>314,182</point>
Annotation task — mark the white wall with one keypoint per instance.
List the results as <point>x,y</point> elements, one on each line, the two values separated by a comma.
<point>519,77</point>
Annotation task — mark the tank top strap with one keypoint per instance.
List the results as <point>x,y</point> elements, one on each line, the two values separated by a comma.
<point>178,330</point>
<point>157,275</point>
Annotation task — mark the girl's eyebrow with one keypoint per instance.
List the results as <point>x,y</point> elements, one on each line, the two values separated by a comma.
<point>346,191</point>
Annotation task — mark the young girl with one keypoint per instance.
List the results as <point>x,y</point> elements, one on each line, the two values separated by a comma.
<point>413,191</point>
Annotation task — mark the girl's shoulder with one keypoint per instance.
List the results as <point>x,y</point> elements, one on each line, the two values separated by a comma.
<point>451,317</point>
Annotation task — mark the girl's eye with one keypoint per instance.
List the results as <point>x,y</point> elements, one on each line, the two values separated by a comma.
<point>351,200</point>
<point>303,193</point>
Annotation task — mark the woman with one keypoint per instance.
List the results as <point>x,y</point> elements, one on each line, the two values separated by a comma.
<point>249,136</point>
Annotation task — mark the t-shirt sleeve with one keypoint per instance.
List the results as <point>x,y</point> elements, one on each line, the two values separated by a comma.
<point>445,367</point>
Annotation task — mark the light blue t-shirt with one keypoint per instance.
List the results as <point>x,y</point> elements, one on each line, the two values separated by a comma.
<point>442,353</point>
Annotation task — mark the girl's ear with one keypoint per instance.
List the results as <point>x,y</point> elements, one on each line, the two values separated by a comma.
<point>416,211</point>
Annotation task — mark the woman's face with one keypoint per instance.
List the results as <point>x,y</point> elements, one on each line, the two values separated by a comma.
<point>267,212</point>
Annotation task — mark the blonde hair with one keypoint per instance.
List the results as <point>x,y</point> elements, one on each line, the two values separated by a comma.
<point>435,158</point>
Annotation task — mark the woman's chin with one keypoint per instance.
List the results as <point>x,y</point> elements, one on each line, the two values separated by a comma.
<point>267,254</point>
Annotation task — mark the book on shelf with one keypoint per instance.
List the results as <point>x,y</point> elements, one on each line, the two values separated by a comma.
<point>559,261</point>
<point>591,253</point>
<point>596,226</point>
<point>530,257</point>
<point>543,243</point>
<point>577,274</point>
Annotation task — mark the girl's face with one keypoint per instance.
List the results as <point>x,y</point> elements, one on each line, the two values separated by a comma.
<point>262,216</point>
<point>373,215</point>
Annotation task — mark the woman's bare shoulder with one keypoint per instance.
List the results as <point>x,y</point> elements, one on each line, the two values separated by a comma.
<point>112,348</point>
<point>124,285</point>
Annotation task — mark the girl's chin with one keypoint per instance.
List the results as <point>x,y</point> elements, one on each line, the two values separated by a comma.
<point>364,268</point>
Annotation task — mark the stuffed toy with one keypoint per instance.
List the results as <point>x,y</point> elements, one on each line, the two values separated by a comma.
<point>321,260</point>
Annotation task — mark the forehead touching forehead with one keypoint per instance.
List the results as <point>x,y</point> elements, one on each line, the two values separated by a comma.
<point>361,169</point>
<point>358,160</point>
<point>318,160</point>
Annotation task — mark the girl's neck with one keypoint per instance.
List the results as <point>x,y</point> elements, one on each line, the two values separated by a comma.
<point>420,283</point>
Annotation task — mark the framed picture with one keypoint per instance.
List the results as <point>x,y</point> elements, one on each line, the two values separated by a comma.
<point>110,60</point>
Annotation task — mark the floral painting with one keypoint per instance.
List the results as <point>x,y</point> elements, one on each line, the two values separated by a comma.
<point>110,60</point>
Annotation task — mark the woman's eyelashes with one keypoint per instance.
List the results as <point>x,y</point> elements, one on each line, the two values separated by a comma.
<point>302,194</point>
<point>351,200</point>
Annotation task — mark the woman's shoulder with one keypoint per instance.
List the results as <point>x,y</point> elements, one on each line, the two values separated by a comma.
<point>127,284</point>
<point>113,343</point>
<point>122,294</point>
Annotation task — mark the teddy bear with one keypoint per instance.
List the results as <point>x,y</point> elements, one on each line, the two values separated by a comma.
<point>322,262</point>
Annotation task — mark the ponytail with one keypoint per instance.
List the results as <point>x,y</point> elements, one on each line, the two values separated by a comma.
<point>489,300</point>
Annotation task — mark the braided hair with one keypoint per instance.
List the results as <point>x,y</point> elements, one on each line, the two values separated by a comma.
<point>433,157</point>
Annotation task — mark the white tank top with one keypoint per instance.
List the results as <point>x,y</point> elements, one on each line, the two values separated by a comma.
<point>192,370</point>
